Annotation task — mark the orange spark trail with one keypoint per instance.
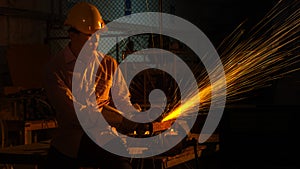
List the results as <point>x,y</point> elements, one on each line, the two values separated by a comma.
<point>272,46</point>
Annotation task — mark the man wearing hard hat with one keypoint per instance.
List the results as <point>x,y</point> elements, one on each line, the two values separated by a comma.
<point>71,145</point>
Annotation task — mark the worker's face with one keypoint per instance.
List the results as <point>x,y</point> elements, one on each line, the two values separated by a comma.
<point>93,40</point>
<point>81,38</point>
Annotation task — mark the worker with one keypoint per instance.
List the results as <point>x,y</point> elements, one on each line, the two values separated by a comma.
<point>71,147</point>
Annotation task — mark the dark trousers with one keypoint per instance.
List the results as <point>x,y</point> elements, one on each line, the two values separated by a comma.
<point>89,155</point>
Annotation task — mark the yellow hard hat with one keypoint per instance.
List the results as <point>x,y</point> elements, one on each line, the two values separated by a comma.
<point>85,17</point>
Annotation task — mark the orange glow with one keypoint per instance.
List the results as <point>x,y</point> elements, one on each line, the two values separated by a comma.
<point>250,63</point>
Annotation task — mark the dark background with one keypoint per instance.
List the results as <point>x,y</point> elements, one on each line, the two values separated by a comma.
<point>258,132</point>
<point>265,135</point>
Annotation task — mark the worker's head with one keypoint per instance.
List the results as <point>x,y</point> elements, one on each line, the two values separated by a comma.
<point>84,20</point>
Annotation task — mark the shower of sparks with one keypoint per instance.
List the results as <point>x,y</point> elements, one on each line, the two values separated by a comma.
<point>269,52</point>
<point>250,60</point>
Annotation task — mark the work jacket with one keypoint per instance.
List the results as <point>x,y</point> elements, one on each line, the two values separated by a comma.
<point>60,74</point>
